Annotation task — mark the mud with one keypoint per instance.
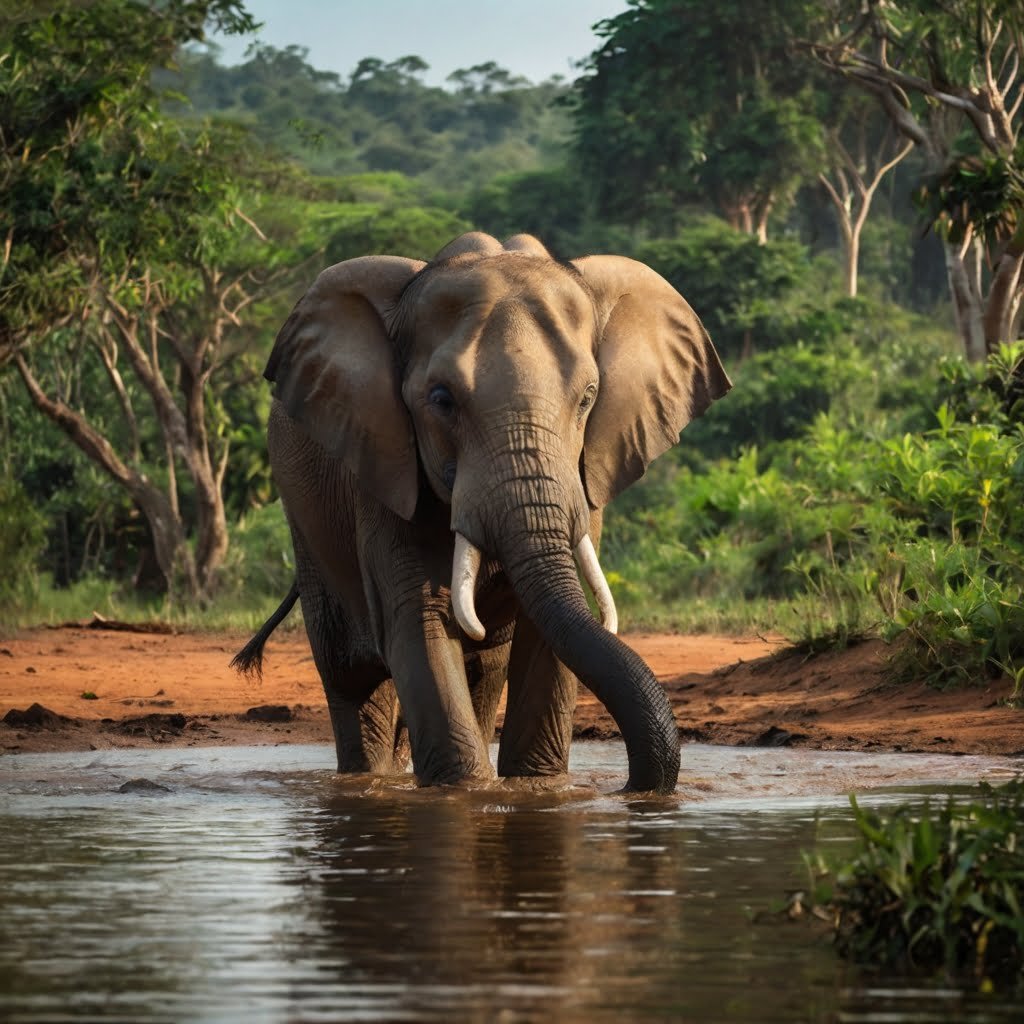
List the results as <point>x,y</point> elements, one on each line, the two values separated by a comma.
<point>106,688</point>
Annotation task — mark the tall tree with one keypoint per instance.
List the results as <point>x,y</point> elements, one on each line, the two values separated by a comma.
<point>949,74</point>
<point>860,154</point>
<point>686,100</point>
<point>124,242</point>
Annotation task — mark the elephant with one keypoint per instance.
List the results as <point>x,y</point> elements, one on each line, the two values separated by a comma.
<point>444,437</point>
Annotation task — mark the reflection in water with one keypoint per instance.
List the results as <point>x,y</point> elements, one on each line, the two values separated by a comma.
<point>554,909</point>
<point>291,895</point>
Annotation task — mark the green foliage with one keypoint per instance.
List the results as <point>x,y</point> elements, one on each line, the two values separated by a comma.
<point>983,193</point>
<point>130,261</point>
<point>690,101</point>
<point>22,532</point>
<point>384,118</point>
<point>364,229</point>
<point>921,534</point>
<point>76,602</point>
<point>777,395</point>
<point>260,563</point>
<point>965,619</point>
<point>929,891</point>
<point>959,590</point>
<point>992,392</point>
<point>737,286</point>
<point>545,203</point>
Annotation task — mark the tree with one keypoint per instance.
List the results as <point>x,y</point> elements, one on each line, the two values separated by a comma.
<point>686,100</point>
<point>385,117</point>
<point>860,156</point>
<point>125,242</point>
<point>542,203</point>
<point>950,77</point>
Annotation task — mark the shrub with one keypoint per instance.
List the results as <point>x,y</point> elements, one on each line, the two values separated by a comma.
<point>990,393</point>
<point>933,892</point>
<point>22,539</point>
<point>965,623</point>
<point>260,562</point>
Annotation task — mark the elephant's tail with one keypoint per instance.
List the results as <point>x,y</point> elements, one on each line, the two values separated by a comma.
<point>249,660</point>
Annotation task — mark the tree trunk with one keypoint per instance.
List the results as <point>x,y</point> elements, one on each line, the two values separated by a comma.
<point>1002,314</point>
<point>852,248</point>
<point>211,521</point>
<point>168,533</point>
<point>967,304</point>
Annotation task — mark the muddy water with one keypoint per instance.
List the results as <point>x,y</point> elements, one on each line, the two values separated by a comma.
<point>258,886</point>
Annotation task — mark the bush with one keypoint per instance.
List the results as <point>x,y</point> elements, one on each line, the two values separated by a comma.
<point>260,562</point>
<point>922,534</point>
<point>777,396</point>
<point>990,393</point>
<point>22,539</point>
<point>964,622</point>
<point>926,892</point>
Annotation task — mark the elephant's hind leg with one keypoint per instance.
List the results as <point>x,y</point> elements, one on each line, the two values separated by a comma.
<point>486,672</point>
<point>362,701</point>
<point>369,735</point>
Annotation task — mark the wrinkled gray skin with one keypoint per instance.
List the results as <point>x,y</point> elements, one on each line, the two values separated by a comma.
<point>497,394</point>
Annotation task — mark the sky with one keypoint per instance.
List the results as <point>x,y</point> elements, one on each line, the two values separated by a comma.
<point>532,38</point>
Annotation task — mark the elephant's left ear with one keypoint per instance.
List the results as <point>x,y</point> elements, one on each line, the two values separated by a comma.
<point>335,371</point>
<point>658,368</point>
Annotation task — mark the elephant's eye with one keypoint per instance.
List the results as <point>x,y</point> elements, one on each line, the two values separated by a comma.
<point>441,399</point>
<point>588,399</point>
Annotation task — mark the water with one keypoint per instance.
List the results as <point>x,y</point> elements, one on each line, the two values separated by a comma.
<point>262,887</point>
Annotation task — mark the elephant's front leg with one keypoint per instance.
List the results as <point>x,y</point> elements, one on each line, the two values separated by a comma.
<point>424,653</point>
<point>537,732</point>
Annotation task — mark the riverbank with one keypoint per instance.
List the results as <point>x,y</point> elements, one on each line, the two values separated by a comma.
<point>82,688</point>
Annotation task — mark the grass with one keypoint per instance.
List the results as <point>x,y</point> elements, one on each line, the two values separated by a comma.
<point>51,606</point>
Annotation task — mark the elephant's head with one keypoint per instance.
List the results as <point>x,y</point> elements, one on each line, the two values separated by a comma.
<point>530,392</point>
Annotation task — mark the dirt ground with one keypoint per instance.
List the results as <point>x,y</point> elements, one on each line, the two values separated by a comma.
<point>80,688</point>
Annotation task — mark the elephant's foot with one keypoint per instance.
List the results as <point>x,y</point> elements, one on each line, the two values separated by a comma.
<point>451,767</point>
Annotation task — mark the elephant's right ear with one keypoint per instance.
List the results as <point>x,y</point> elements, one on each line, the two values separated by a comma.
<point>335,372</point>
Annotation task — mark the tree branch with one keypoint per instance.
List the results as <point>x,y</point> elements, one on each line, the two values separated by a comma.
<point>172,423</point>
<point>107,353</point>
<point>95,446</point>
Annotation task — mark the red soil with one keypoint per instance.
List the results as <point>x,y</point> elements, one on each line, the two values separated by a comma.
<point>179,688</point>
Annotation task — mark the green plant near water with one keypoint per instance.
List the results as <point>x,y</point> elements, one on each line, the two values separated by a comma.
<point>930,890</point>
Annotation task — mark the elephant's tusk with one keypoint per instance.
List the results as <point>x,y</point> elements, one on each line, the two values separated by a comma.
<point>465,566</point>
<point>586,556</point>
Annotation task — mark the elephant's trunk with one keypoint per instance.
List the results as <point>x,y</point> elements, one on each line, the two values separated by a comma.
<point>550,593</point>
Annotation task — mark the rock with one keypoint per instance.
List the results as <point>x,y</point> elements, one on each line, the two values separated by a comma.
<point>152,725</point>
<point>142,786</point>
<point>270,713</point>
<point>692,734</point>
<point>776,737</point>
<point>34,717</point>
